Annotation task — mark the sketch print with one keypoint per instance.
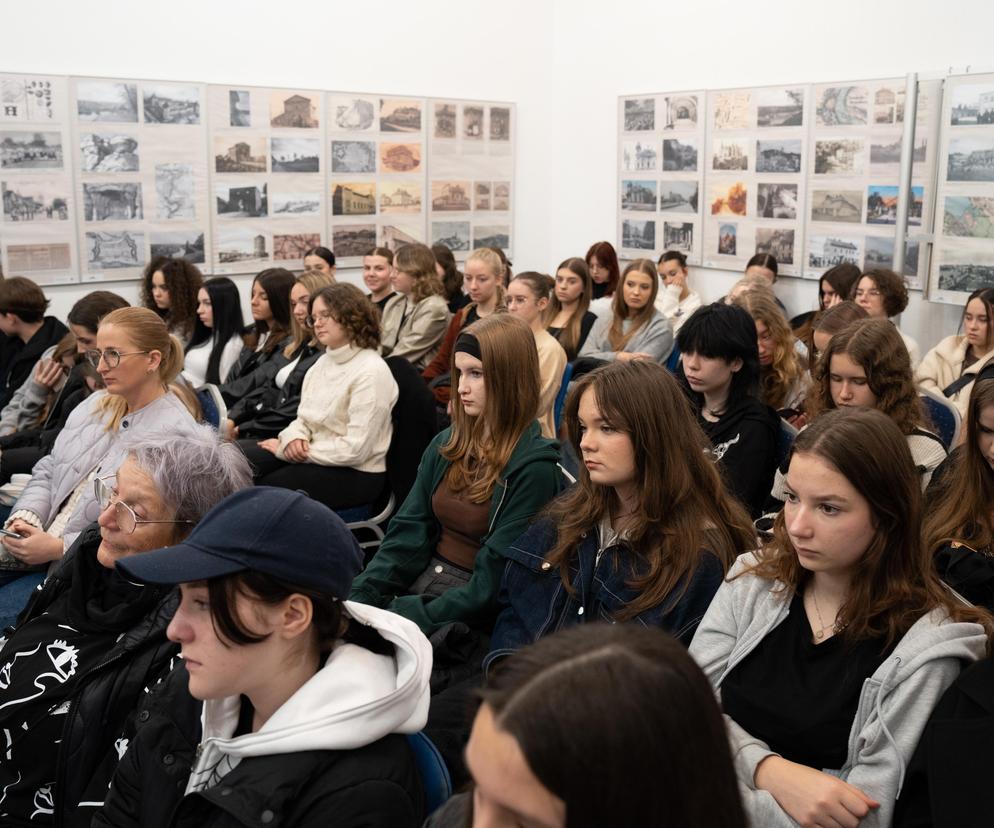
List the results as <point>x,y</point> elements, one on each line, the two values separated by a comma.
<point>731,110</point>
<point>450,196</point>
<point>293,247</point>
<point>353,156</point>
<point>502,195</point>
<point>780,107</point>
<point>497,236</point>
<point>640,115</point>
<point>174,191</point>
<point>353,114</point>
<point>678,196</point>
<point>26,99</point>
<point>353,200</point>
<point>114,250</point>
<point>30,150</point>
<point>730,155</point>
<point>28,258</point>
<point>777,243</point>
<point>641,155</point>
<point>839,156</point>
<point>680,112</point>
<point>396,236</point>
<point>472,122</point>
<point>968,216</point>
<point>239,108</point>
<point>841,106</point>
<point>107,101</point>
<point>400,158</point>
<point>240,245</point>
<point>729,199</point>
<point>776,201</point>
<point>116,201</point>
<point>972,104</point>
<point>728,239</point>
<point>678,236</point>
<point>679,155</point>
<point>965,270</point>
<point>400,115</point>
<point>168,103</point>
<point>295,204</point>
<point>481,195</point>
<point>179,245</point>
<point>638,195</point>
<point>778,156</point>
<point>400,197</point>
<point>970,159</point>
<point>297,111</point>
<point>294,155</point>
<point>638,235</point>
<point>500,123</point>
<point>445,120</point>
<point>108,153</point>
<point>881,204</point>
<point>842,206</point>
<point>827,251</point>
<point>239,157</point>
<point>888,105</point>
<point>349,240</point>
<point>455,235</point>
<point>241,202</point>
<point>36,200</point>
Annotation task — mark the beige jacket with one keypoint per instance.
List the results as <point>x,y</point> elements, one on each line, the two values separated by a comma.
<point>551,364</point>
<point>414,330</point>
<point>943,365</point>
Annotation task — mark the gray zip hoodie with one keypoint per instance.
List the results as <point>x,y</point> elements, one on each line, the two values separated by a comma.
<point>893,707</point>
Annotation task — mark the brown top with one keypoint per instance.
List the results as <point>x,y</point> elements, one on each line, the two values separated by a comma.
<point>463,525</point>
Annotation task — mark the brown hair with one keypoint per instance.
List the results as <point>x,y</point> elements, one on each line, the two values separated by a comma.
<point>569,338</point>
<point>606,257</point>
<point>418,262</point>
<point>384,252</point>
<point>351,309</point>
<point>452,280</point>
<point>313,280</point>
<point>891,286</point>
<point>23,297</point>
<point>683,505</point>
<point>832,321</point>
<point>540,284</point>
<point>842,278</point>
<point>750,284</point>
<point>779,378</point>
<point>893,584</point>
<point>876,346</point>
<point>183,281</point>
<point>479,447</point>
<point>88,311</point>
<point>617,338</point>
<point>276,283</point>
<point>986,297</point>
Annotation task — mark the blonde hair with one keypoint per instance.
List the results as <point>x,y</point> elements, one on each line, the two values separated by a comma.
<point>778,378</point>
<point>615,335</point>
<point>313,280</point>
<point>418,262</point>
<point>148,332</point>
<point>497,268</point>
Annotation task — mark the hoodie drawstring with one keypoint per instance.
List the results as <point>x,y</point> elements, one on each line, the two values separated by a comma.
<point>883,722</point>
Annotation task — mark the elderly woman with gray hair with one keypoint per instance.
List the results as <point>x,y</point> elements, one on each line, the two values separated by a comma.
<point>90,642</point>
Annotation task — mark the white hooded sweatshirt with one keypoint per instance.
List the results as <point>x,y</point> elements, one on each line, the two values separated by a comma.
<point>356,698</point>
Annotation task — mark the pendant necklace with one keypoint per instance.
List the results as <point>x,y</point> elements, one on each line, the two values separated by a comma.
<point>821,632</point>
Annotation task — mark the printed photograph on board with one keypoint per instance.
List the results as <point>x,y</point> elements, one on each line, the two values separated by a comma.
<point>841,206</point>
<point>839,156</point>
<point>400,197</point>
<point>638,235</point>
<point>445,120</point>
<point>639,156</point>
<point>881,204</point>
<point>731,110</point>
<point>776,242</point>
<point>107,101</point>
<point>113,201</point>
<point>728,199</point>
<point>968,216</point>
<point>678,236</point>
<point>30,151</point>
<point>972,105</point>
<point>351,113</point>
<point>293,246</point>
<point>114,250</point>
<point>455,235</point>
<point>776,201</point>
<point>400,158</point>
<point>294,155</point>
<point>780,107</point>
<point>239,108</point>
<point>353,199</point>
<point>242,201</point>
<point>353,156</point>
<point>730,155</point>
<point>399,115</point>
<point>679,155</point>
<point>500,123</point>
<point>296,110</point>
<point>640,115</point>
<point>728,239</point>
<point>450,196</point>
<point>774,156</point>
<point>492,235</point>
<point>970,159</point>
<point>246,155</point>
<point>678,196</point>
<point>288,204</point>
<point>174,192</point>
<point>170,103</point>
<point>35,200</point>
<point>187,245</point>
<point>841,106</point>
<point>240,245</point>
<point>638,195</point>
<point>965,270</point>
<point>481,195</point>
<point>108,152</point>
<point>828,251</point>
<point>349,240</point>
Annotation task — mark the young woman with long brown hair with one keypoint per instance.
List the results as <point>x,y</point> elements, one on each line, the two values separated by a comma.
<point>568,317</point>
<point>414,321</point>
<point>270,331</point>
<point>169,288</point>
<point>602,262</point>
<point>831,645</point>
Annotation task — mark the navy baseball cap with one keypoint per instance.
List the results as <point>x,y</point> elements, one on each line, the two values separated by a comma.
<point>278,532</point>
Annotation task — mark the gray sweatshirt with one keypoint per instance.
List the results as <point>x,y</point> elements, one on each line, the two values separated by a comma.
<point>654,337</point>
<point>894,705</point>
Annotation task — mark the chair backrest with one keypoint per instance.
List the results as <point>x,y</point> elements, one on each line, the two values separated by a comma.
<point>414,426</point>
<point>435,776</point>
<point>785,441</point>
<point>557,410</point>
<point>944,415</point>
<point>673,360</point>
<point>215,412</point>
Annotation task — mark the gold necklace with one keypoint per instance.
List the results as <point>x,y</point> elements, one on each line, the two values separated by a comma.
<point>821,632</point>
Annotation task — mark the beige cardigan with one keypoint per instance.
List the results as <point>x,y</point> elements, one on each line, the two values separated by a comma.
<point>551,364</point>
<point>943,365</point>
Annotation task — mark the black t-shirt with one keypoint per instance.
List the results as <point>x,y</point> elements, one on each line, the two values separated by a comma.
<point>800,697</point>
<point>380,303</point>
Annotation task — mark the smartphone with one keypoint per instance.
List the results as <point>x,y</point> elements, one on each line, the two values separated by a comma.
<point>8,534</point>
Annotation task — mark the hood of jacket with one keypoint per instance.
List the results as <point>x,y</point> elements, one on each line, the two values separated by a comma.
<point>356,698</point>
<point>748,408</point>
<point>531,446</point>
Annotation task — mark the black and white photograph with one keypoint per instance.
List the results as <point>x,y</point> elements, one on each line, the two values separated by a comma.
<point>728,239</point>
<point>353,199</point>
<point>243,201</point>
<point>640,115</point>
<point>678,196</point>
<point>395,236</point>
<point>679,155</point>
<point>113,201</point>
<point>397,115</point>
<point>680,112</point>
<point>481,195</point>
<point>294,204</point>
<point>293,109</point>
<point>879,252</point>
<point>828,251</point>
<point>239,156</point>
<point>35,200</point>
<point>731,110</point>
<point>294,155</point>
<point>348,240</point>
<point>641,155</point>
<point>638,195</point>
<point>108,101</point>
<point>350,113</point>
<point>400,197</point>
<point>108,152</point>
<point>171,103</point>
<point>236,244</point>
<point>174,191</point>
<point>353,156</point>
<point>886,152</point>
<point>445,120</point>
<point>780,107</point>
<point>472,122</point>
<point>114,250</point>
<point>27,99</point>
<point>841,106</point>
<point>965,216</point>
<point>970,159</point>
<point>972,105</point>
<point>776,201</point>
<point>839,206</point>
<point>502,196</point>
<point>638,235</point>
<point>179,244</point>
<point>965,274</point>
<point>730,155</point>
<point>492,235</point>
<point>500,123</point>
<point>678,236</point>
<point>911,252</point>
<point>778,156</point>
<point>291,247</point>
<point>455,235</point>
<point>239,108</point>
<point>840,156</point>
<point>776,242</point>
<point>30,151</point>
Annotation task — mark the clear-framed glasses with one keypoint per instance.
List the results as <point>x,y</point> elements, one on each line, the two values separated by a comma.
<point>860,293</point>
<point>127,520</point>
<point>112,357</point>
<point>324,316</point>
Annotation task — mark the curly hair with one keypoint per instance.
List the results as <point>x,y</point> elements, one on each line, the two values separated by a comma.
<point>892,289</point>
<point>779,377</point>
<point>183,282</point>
<point>876,346</point>
<point>418,262</point>
<point>350,308</point>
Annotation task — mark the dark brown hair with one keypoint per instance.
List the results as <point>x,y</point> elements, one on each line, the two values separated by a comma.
<point>764,260</point>
<point>892,289</point>
<point>351,309</point>
<point>842,277</point>
<point>986,296</point>
<point>88,311</point>
<point>606,257</point>
<point>569,338</point>
<point>384,252</point>
<point>183,281</point>
<point>276,282</point>
<point>23,297</point>
<point>452,280</point>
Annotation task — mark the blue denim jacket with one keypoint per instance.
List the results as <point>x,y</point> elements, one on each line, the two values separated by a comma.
<point>533,602</point>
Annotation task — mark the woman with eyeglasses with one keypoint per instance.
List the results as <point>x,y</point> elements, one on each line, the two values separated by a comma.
<point>336,448</point>
<point>89,644</point>
<point>883,295</point>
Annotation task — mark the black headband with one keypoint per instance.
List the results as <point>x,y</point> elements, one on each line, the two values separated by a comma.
<point>468,344</point>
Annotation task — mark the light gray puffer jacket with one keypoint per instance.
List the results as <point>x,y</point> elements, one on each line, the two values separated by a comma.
<point>84,446</point>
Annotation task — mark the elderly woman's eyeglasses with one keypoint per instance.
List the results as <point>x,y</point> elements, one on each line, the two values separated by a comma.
<point>127,520</point>
<point>112,357</point>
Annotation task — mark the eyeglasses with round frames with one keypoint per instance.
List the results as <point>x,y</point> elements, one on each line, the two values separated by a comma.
<point>112,357</point>
<point>320,317</point>
<point>127,520</point>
